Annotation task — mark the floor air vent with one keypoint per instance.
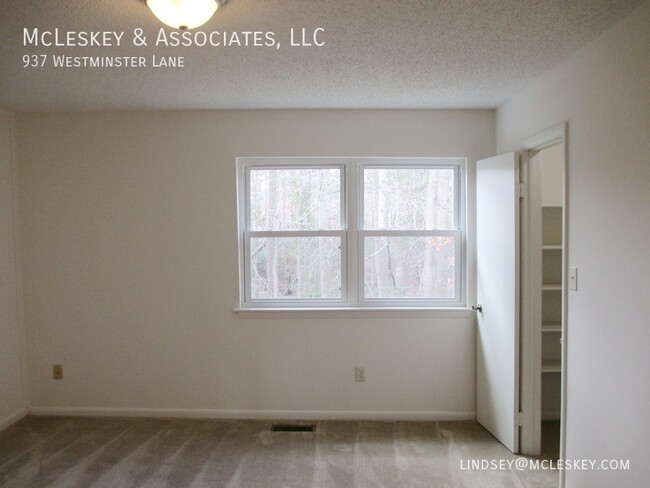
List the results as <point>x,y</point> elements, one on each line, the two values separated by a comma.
<point>292,428</point>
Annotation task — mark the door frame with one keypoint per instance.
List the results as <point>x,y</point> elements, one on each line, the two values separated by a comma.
<point>531,336</point>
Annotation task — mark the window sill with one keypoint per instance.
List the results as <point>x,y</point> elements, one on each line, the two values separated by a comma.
<point>355,312</point>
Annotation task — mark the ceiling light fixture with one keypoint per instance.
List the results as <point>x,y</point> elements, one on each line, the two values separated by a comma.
<point>184,14</point>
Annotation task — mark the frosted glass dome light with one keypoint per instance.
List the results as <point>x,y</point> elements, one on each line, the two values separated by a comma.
<point>183,14</point>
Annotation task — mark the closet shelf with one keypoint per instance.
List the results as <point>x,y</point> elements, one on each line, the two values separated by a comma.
<point>551,366</point>
<point>552,247</point>
<point>552,327</point>
<point>554,287</point>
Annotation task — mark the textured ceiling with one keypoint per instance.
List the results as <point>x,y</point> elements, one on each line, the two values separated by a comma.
<point>378,54</point>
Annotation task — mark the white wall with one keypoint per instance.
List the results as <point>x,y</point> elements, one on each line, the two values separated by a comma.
<point>130,251</point>
<point>12,396</point>
<point>602,91</point>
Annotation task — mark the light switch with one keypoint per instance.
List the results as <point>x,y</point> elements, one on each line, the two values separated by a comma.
<point>573,279</point>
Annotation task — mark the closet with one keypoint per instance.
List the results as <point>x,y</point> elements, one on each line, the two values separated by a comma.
<point>551,167</point>
<point>551,309</point>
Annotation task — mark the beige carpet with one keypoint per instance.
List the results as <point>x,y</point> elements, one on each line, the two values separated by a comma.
<point>84,452</point>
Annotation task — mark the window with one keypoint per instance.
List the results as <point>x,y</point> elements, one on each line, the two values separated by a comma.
<point>333,232</point>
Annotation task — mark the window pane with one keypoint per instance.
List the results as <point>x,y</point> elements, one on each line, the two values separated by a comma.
<point>295,267</point>
<point>409,267</point>
<point>295,199</point>
<point>408,198</point>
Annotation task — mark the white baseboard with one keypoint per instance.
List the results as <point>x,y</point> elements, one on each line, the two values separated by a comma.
<point>253,414</point>
<point>12,419</point>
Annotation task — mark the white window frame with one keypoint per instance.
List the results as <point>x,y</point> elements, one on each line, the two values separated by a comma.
<point>351,233</point>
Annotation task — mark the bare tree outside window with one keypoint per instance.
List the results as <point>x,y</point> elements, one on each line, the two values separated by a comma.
<point>305,199</point>
<point>295,199</point>
<point>408,199</point>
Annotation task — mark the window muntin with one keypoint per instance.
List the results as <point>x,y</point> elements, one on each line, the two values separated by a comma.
<point>330,232</point>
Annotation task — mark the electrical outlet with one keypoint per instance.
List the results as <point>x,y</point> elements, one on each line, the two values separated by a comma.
<point>359,374</point>
<point>57,372</point>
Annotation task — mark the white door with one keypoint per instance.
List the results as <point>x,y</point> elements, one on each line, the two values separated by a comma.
<point>497,236</point>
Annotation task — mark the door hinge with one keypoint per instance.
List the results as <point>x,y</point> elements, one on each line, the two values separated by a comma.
<point>519,418</point>
<point>522,190</point>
